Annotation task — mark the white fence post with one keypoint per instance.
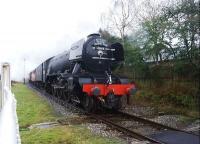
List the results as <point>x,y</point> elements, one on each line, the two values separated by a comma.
<point>5,82</point>
<point>9,128</point>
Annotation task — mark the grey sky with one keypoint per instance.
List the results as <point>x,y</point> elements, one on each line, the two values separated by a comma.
<point>38,29</point>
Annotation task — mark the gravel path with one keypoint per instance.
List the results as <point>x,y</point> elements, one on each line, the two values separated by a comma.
<point>175,121</point>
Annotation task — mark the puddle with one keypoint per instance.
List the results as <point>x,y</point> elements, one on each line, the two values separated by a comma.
<point>44,125</point>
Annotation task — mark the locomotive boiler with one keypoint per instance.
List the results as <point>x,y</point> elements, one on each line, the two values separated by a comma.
<point>83,74</point>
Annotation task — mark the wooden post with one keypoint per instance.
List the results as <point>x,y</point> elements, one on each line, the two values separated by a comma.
<point>5,81</point>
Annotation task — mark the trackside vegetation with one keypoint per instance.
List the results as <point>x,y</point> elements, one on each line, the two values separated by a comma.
<point>162,55</point>
<point>32,109</point>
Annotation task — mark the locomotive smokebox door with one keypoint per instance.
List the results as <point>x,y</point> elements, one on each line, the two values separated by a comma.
<point>119,51</point>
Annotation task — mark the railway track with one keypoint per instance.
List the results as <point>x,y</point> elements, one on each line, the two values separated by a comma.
<point>125,130</point>
<point>162,134</point>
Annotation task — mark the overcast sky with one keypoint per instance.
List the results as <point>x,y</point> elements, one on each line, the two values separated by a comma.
<point>38,29</point>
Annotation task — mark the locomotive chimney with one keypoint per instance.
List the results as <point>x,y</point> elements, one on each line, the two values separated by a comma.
<point>94,34</point>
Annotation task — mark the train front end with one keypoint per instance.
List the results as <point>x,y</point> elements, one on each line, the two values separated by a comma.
<point>102,87</point>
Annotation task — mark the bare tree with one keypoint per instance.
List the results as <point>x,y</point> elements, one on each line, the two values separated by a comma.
<point>120,18</point>
<point>151,9</point>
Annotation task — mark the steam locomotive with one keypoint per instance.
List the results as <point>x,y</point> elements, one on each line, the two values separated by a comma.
<point>83,75</point>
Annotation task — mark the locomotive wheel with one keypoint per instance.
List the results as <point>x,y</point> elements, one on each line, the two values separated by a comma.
<point>59,96</point>
<point>123,100</point>
<point>48,88</point>
<point>62,96</point>
<point>118,104</point>
<point>51,92</point>
<point>54,92</point>
<point>89,103</point>
<point>68,97</point>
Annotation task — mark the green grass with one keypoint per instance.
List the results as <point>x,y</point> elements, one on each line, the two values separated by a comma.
<point>64,135</point>
<point>32,109</point>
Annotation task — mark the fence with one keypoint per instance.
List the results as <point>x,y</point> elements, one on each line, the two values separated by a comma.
<point>172,82</point>
<point>9,129</point>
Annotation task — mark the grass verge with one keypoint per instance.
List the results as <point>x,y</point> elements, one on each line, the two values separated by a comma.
<point>63,135</point>
<point>30,107</point>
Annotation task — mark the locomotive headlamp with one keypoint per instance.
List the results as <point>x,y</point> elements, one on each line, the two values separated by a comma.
<point>96,91</point>
<point>100,53</point>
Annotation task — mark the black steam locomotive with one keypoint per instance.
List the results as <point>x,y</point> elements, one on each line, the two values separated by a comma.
<point>84,75</point>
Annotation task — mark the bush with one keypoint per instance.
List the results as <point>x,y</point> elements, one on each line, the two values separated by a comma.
<point>175,93</point>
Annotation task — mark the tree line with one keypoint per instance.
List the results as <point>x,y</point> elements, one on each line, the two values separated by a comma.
<point>156,32</point>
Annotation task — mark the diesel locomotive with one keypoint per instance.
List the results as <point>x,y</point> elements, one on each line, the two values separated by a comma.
<point>83,75</point>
